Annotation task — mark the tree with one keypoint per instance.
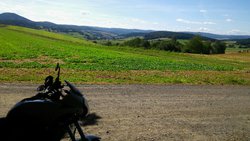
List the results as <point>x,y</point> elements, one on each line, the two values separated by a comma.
<point>195,45</point>
<point>167,45</point>
<point>146,44</point>
<point>207,48</point>
<point>177,45</point>
<point>218,47</point>
<point>138,42</point>
<point>108,43</point>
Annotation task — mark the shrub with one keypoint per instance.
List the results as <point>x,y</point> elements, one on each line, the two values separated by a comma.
<point>137,42</point>
<point>218,47</point>
<point>195,45</point>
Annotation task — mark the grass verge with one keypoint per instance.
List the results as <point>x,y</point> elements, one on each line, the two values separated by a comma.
<point>128,77</point>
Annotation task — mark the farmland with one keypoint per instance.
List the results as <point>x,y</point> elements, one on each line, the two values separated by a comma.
<point>29,55</point>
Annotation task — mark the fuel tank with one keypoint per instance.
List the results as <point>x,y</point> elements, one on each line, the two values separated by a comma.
<point>38,112</point>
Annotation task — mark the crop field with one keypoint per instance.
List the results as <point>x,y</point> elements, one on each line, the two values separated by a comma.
<point>28,55</point>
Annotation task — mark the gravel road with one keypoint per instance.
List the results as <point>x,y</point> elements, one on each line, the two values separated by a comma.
<point>158,112</point>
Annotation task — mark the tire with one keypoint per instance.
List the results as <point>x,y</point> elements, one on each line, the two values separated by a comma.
<point>4,129</point>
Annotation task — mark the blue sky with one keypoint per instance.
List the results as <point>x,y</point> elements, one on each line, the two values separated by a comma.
<point>213,16</point>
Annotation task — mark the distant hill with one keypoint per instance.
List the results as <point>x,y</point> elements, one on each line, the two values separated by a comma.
<point>14,19</point>
<point>189,35</point>
<point>168,34</point>
<point>82,31</point>
<point>94,33</point>
<point>122,31</point>
<point>221,37</point>
<point>134,34</point>
<point>244,42</point>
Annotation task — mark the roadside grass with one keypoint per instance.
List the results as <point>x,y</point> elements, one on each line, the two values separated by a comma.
<point>28,55</point>
<point>35,75</point>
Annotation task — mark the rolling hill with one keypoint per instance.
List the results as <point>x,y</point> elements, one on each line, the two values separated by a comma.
<point>95,33</point>
<point>168,34</point>
<point>29,55</point>
<point>220,37</point>
<point>87,32</point>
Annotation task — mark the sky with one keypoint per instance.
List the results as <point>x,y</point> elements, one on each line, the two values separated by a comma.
<point>212,16</point>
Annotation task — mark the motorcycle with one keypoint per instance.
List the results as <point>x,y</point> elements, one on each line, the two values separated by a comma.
<point>51,115</point>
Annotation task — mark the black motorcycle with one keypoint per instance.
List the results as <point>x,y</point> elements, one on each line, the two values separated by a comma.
<point>51,115</point>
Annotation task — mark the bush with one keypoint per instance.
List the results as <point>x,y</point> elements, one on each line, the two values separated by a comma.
<point>218,47</point>
<point>207,48</point>
<point>195,45</point>
<point>137,42</point>
<point>167,45</point>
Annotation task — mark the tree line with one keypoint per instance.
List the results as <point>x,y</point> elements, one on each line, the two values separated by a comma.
<point>194,45</point>
<point>245,43</point>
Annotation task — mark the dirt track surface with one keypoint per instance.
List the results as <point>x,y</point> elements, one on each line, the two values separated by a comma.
<point>158,112</point>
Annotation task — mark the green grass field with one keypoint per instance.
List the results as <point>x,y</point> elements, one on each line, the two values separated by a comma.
<point>28,55</point>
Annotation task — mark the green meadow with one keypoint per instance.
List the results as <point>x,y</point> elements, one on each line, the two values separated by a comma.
<point>28,55</point>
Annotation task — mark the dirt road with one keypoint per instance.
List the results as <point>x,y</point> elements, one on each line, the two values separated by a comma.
<point>158,112</point>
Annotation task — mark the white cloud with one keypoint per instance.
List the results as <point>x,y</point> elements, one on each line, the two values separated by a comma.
<point>84,13</point>
<point>234,31</point>
<point>195,22</point>
<point>208,23</point>
<point>225,15</point>
<point>237,32</point>
<point>155,23</point>
<point>203,29</point>
<point>187,21</point>
<point>229,20</point>
<point>136,20</point>
<point>129,22</point>
<point>203,11</point>
<point>5,7</point>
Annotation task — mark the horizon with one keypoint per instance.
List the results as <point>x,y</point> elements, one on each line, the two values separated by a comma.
<point>225,17</point>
